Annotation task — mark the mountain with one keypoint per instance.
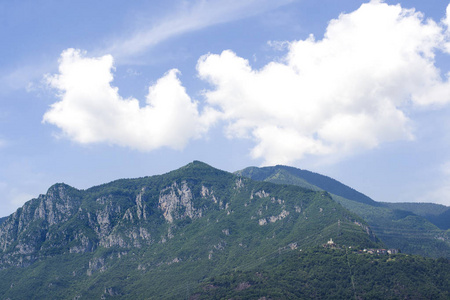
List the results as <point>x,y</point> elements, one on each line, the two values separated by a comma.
<point>307,179</point>
<point>442,220</point>
<point>437,214</point>
<point>414,228</point>
<point>159,236</point>
<point>334,274</point>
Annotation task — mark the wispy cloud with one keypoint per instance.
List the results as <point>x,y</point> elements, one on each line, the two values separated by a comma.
<point>11,199</point>
<point>22,77</point>
<point>332,97</point>
<point>91,110</point>
<point>3,119</point>
<point>188,17</point>
<point>20,181</point>
<point>439,190</point>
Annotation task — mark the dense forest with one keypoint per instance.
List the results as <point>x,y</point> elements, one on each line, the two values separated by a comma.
<point>334,274</point>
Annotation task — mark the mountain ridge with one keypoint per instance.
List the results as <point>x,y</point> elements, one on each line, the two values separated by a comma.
<point>409,227</point>
<point>172,230</point>
<point>311,179</point>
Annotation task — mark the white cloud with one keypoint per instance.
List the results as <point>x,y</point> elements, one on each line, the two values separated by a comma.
<point>18,199</point>
<point>446,20</point>
<point>344,93</point>
<point>347,92</point>
<point>22,78</point>
<point>190,16</point>
<point>91,110</point>
<point>11,199</point>
<point>446,23</point>
<point>440,190</point>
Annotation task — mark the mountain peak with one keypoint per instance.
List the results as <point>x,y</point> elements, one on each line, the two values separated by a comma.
<point>59,186</point>
<point>307,179</point>
<point>197,169</point>
<point>197,163</point>
<point>165,232</point>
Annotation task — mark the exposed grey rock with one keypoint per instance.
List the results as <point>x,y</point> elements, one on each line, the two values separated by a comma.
<point>176,203</point>
<point>140,206</point>
<point>96,264</point>
<point>83,245</point>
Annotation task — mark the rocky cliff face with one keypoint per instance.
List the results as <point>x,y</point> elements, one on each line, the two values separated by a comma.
<point>176,202</point>
<point>65,220</point>
<point>23,233</point>
<point>137,213</point>
<point>140,236</point>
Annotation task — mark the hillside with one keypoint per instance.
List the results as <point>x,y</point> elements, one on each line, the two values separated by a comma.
<point>307,179</point>
<point>159,236</point>
<point>409,227</point>
<point>437,214</point>
<point>334,274</point>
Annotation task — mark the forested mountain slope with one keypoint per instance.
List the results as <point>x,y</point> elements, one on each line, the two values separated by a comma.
<point>334,274</point>
<point>307,179</point>
<point>411,228</point>
<point>437,214</point>
<point>160,236</point>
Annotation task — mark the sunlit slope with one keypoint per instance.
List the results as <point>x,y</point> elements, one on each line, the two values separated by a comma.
<point>159,236</point>
<point>397,228</point>
<point>334,274</point>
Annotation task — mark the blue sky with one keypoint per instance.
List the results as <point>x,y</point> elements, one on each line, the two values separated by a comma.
<point>95,91</point>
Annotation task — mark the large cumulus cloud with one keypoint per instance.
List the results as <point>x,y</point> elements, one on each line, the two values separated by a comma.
<point>91,110</point>
<point>346,92</point>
